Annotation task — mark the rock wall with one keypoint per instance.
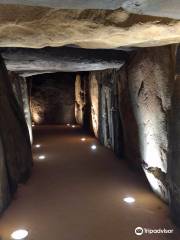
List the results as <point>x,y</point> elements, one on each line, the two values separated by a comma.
<point>129,128</point>
<point>15,147</point>
<point>174,153</point>
<point>151,78</point>
<point>116,126</point>
<point>21,93</point>
<point>79,100</point>
<point>53,98</point>
<point>132,106</point>
<point>83,101</point>
<point>94,101</point>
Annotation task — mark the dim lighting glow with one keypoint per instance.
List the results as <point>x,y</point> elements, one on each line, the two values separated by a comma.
<point>68,124</point>
<point>73,126</point>
<point>19,234</point>
<point>36,117</point>
<point>83,139</point>
<point>93,147</point>
<point>37,145</point>
<point>129,200</point>
<point>41,157</point>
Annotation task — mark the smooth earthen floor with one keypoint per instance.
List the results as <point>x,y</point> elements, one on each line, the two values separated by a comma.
<point>77,194</point>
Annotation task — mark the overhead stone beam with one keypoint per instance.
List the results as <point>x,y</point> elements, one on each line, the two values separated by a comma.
<point>27,62</point>
<point>163,8</point>
<point>37,27</point>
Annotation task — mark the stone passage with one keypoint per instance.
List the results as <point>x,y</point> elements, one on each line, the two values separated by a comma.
<point>112,67</point>
<point>53,99</point>
<point>130,111</point>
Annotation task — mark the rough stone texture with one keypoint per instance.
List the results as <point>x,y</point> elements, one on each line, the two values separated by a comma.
<point>20,90</point>
<point>117,125</point>
<point>150,79</point>
<point>26,106</point>
<point>27,62</point>
<point>94,99</point>
<point>53,98</point>
<point>5,195</point>
<point>36,27</point>
<point>79,100</point>
<point>177,60</point>
<point>129,125</point>
<point>15,148</point>
<point>109,119</point>
<point>174,153</point>
<point>163,8</point>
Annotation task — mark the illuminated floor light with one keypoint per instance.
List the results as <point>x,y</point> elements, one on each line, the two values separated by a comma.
<point>93,147</point>
<point>73,126</point>
<point>19,234</point>
<point>41,157</point>
<point>83,139</point>
<point>129,200</point>
<point>37,145</point>
<point>68,124</point>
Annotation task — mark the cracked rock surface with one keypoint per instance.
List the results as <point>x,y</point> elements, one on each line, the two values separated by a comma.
<point>151,78</point>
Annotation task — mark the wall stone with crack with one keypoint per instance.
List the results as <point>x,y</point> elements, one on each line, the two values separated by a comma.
<point>151,78</point>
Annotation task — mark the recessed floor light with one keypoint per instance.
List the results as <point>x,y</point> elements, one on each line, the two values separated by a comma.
<point>41,157</point>
<point>37,145</point>
<point>83,139</point>
<point>129,200</point>
<point>93,147</point>
<point>73,126</point>
<point>19,234</point>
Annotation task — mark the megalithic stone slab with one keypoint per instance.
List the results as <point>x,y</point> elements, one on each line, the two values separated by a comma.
<point>151,78</point>
<point>16,156</point>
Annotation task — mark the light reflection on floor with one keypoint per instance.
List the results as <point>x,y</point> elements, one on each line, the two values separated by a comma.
<point>77,194</point>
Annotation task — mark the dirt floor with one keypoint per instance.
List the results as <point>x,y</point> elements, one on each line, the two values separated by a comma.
<point>77,194</point>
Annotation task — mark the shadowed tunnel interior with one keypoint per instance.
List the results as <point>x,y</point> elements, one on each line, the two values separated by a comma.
<point>89,123</point>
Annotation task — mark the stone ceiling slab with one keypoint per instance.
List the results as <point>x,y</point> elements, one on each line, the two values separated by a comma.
<point>27,62</point>
<point>37,27</point>
<point>163,8</point>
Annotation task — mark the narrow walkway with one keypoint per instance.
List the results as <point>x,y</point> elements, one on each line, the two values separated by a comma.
<point>77,194</point>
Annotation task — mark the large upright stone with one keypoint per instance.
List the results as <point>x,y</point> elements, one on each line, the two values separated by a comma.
<point>174,154</point>
<point>94,99</point>
<point>15,147</point>
<point>79,100</point>
<point>21,93</point>
<point>151,77</point>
